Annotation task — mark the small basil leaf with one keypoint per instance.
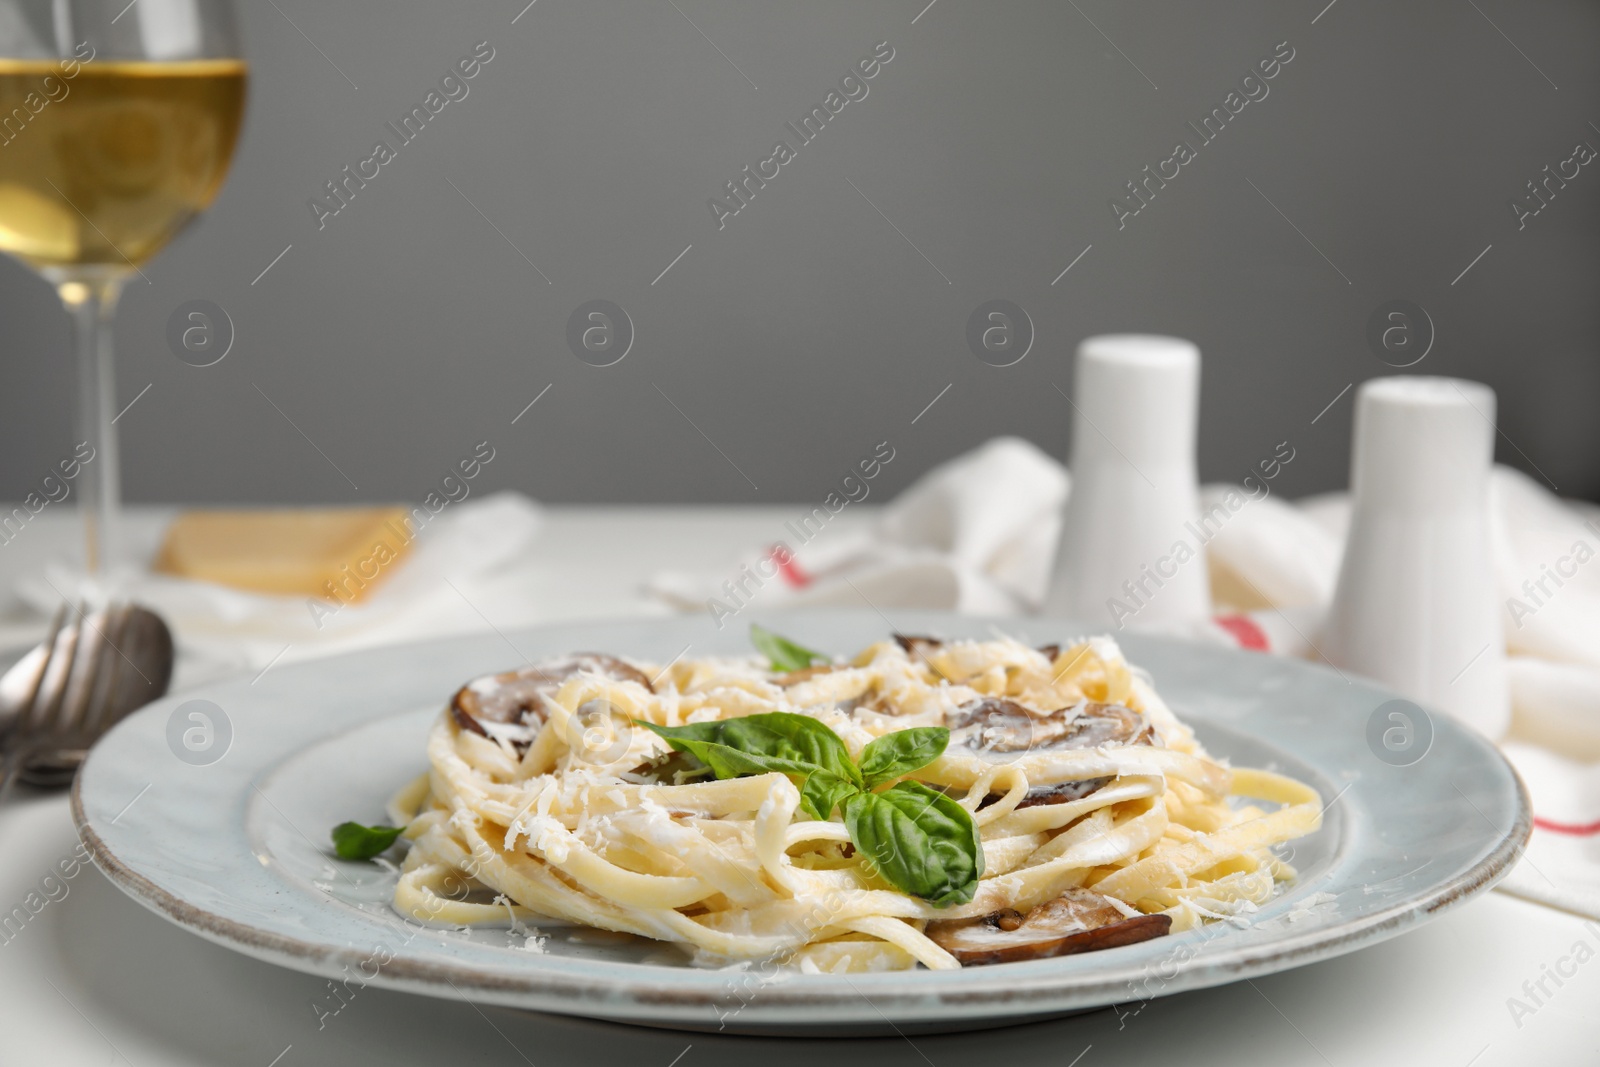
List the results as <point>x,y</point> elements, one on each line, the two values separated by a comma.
<point>726,761</point>
<point>695,731</point>
<point>822,792</point>
<point>919,841</point>
<point>790,736</point>
<point>894,755</point>
<point>352,841</point>
<point>783,653</point>
<point>780,735</point>
<point>807,751</point>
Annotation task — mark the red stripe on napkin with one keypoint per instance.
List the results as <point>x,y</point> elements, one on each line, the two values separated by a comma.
<point>788,569</point>
<point>1586,829</point>
<point>1244,631</point>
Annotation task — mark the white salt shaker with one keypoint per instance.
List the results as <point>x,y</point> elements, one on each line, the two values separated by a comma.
<point>1128,556</point>
<point>1416,605</point>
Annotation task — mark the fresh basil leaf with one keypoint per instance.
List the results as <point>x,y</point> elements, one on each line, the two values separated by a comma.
<point>807,751</point>
<point>894,755</point>
<point>779,735</point>
<point>726,761</point>
<point>919,841</point>
<point>823,791</point>
<point>783,653</point>
<point>820,790</point>
<point>352,841</point>
<point>790,736</point>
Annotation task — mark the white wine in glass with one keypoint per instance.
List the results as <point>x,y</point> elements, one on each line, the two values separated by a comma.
<point>117,124</point>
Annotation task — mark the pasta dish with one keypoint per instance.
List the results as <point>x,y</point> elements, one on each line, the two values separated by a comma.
<point>942,803</point>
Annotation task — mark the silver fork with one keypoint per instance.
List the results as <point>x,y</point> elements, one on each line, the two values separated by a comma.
<point>72,697</point>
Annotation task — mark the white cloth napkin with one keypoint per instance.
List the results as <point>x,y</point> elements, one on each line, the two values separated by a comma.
<point>977,534</point>
<point>1547,559</point>
<point>460,574</point>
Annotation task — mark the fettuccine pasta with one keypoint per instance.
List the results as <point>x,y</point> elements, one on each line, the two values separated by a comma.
<point>1102,820</point>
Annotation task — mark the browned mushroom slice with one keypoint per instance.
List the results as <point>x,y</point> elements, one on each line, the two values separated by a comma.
<point>805,674</point>
<point>616,669</point>
<point>995,725</point>
<point>918,647</point>
<point>1080,920</point>
<point>516,698</point>
<point>1063,793</point>
<point>914,644</point>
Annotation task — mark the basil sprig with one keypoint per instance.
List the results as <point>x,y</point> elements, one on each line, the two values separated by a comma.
<point>919,840</point>
<point>352,841</point>
<point>783,653</point>
<point>801,747</point>
<point>915,838</point>
<point>898,754</point>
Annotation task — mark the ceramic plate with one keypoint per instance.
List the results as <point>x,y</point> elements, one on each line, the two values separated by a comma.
<point>213,807</point>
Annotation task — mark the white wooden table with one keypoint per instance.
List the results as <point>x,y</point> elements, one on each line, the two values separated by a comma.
<point>95,979</point>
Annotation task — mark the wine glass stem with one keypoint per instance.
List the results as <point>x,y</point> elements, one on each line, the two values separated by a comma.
<point>92,303</point>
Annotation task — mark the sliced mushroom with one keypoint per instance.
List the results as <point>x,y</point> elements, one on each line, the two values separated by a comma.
<point>996,725</point>
<point>917,646</point>
<point>512,704</point>
<point>863,699</point>
<point>805,674</point>
<point>1064,793</point>
<point>1080,920</point>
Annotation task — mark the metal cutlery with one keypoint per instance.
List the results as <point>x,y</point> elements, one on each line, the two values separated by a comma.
<point>91,671</point>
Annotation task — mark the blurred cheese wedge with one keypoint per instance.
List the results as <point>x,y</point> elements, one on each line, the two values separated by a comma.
<point>334,553</point>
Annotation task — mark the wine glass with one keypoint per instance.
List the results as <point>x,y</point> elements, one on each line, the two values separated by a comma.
<point>117,124</point>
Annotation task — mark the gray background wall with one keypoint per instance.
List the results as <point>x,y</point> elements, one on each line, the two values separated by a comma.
<point>809,328</point>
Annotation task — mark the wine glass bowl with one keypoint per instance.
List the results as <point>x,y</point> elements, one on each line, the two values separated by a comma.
<point>130,153</point>
<point>118,122</point>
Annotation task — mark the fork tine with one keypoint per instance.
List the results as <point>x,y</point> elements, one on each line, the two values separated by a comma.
<point>56,723</point>
<point>45,718</point>
<point>60,746</point>
<point>53,677</point>
<point>84,675</point>
<point>25,713</point>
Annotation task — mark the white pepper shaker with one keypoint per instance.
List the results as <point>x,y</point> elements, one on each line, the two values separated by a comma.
<point>1416,605</point>
<point>1127,556</point>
